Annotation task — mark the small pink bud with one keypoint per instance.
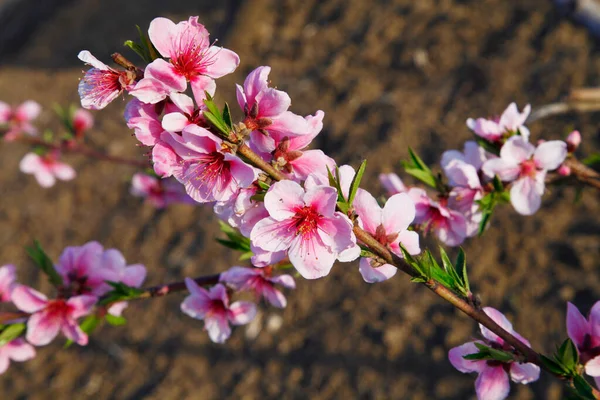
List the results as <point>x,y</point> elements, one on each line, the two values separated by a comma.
<point>573,141</point>
<point>564,170</point>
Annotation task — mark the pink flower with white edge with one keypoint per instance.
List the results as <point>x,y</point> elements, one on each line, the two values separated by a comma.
<point>144,120</point>
<point>83,121</point>
<point>241,211</point>
<point>185,114</point>
<point>101,84</point>
<point>521,162</point>
<point>493,380</point>
<point>131,275</point>
<point>449,225</point>
<point>585,334</point>
<point>213,307</point>
<point>291,157</point>
<point>46,169</point>
<point>573,141</point>
<point>389,226</point>
<point>392,184</point>
<point>200,164</point>
<point>8,278</point>
<point>260,281</point>
<point>48,317</point>
<point>18,121</point>
<point>305,223</point>
<point>266,111</point>
<point>16,350</point>
<point>191,59</point>
<point>509,123</point>
<point>159,192</point>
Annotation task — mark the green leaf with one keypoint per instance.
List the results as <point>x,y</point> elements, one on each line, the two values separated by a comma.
<point>583,388</point>
<point>424,176</point>
<point>44,262</point>
<point>568,355</point>
<point>486,215</point>
<point>498,186</point>
<point>246,256</point>
<point>120,292</point>
<point>139,50</point>
<point>417,162</point>
<point>417,266</point>
<point>591,160</point>
<point>356,182</point>
<point>216,122</point>
<point>487,146</point>
<point>227,117</point>
<point>263,185</point>
<point>461,268</point>
<point>552,365</point>
<point>114,320</point>
<point>11,332</point>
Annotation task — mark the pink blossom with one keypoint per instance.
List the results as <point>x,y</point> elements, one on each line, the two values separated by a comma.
<point>521,162</point>
<point>131,275</point>
<point>392,183</point>
<point>17,350</point>
<point>449,225</point>
<point>585,334</point>
<point>83,121</point>
<point>50,316</point>
<point>493,380</point>
<point>18,121</point>
<point>509,123</point>
<point>389,226</point>
<point>185,113</point>
<point>199,162</point>
<point>213,307</point>
<point>291,157</point>
<point>305,223</point>
<point>8,278</point>
<point>159,192</point>
<point>144,120</point>
<point>191,59</point>
<point>46,168</point>
<point>241,211</point>
<point>573,141</point>
<point>259,281</point>
<point>101,84</point>
<point>267,114</point>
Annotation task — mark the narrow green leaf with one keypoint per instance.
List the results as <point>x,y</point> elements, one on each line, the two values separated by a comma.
<point>44,262</point>
<point>498,186</point>
<point>424,176</point>
<point>487,146</point>
<point>583,388</point>
<point>461,268</point>
<point>417,162</point>
<point>552,365</point>
<point>356,182</point>
<point>139,50</point>
<point>227,117</point>
<point>114,320</point>
<point>591,160</point>
<point>568,355</point>
<point>263,185</point>
<point>246,256</point>
<point>11,332</point>
<point>486,215</point>
<point>216,122</point>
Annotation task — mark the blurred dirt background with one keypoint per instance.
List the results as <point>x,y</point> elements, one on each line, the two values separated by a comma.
<point>388,74</point>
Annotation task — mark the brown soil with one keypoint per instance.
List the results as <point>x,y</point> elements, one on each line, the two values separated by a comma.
<point>388,74</point>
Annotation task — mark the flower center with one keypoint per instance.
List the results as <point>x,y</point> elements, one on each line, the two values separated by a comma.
<point>306,220</point>
<point>528,168</point>
<point>58,308</point>
<point>213,167</point>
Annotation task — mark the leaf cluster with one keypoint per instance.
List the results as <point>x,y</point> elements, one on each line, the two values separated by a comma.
<point>345,204</point>
<point>488,353</point>
<point>43,262</point>
<point>144,48</point>
<point>219,120</point>
<point>235,241</point>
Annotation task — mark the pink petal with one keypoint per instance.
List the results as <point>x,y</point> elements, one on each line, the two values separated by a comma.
<point>82,305</point>
<point>595,319</point>
<point>272,235</point>
<point>263,258</point>
<point>549,155</point>
<point>498,318</point>
<point>592,367</point>
<point>284,280</point>
<point>72,331</point>
<point>274,297</point>
<point>42,329</point>
<point>28,299</point>
<point>165,160</point>
<point>134,275</point>
<point>577,325</point>
<point>175,122</point>
<point>238,276</point>
<point>44,178</point>
<point>525,195</point>
<point>456,357</point>
<point>117,308</point>
<point>378,274</point>
<point>30,163</point>
<point>18,350</point>
<point>288,124</point>
<point>512,119</point>
<point>183,102</point>
<point>165,73</point>
<point>524,373</point>
<point>28,111</point>
<point>392,183</point>
<point>283,198</point>
<point>161,32</point>
<point>218,327</point>
<point>4,363</point>
<point>322,200</point>
<point>315,123</point>
<point>8,277</point>
<point>492,384</point>
<point>83,120</point>
<point>311,161</point>
<point>398,213</point>
<point>368,210</point>
<point>63,171</point>
<point>240,96</point>
<point>310,256</point>
<point>516,150</point>
<point>224,61</point>
<point>410,241</point>
<point>241,312</point>
<point>256,82</point>
<point>88,58</point>
<point>196,290</point>
<point>201,84</point>
<point>336,233</point>
<point>506,171</point>
<point>273,102</point>
<point>148,91</point>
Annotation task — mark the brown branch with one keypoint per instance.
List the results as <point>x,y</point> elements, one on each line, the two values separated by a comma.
<point>579,100</point>
<point>77,148</point>
<point>163,290</point>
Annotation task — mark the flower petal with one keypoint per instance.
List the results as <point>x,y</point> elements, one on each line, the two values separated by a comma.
<point>283,198</point>
<point>398,213</point>
<point>492,384</point>
<point>524,373</point>
<point>498,318</point>
<point>375,275</point>
<point>42,329</point>
<point>161,32</point>
<point>516,150</point>
<point>525,195</point>
<point>28,299</point>
<point>310,256</point>
<point>456,357</point>
<point>241,312</point>
<point>218,328</point>
<point>549,155</point>
<point>272,235</point>
<point>577,325</point>
<point>224,61</point>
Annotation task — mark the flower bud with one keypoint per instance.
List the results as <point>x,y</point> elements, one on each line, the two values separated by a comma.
<point>564,170</point>
<point>573,141</point>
